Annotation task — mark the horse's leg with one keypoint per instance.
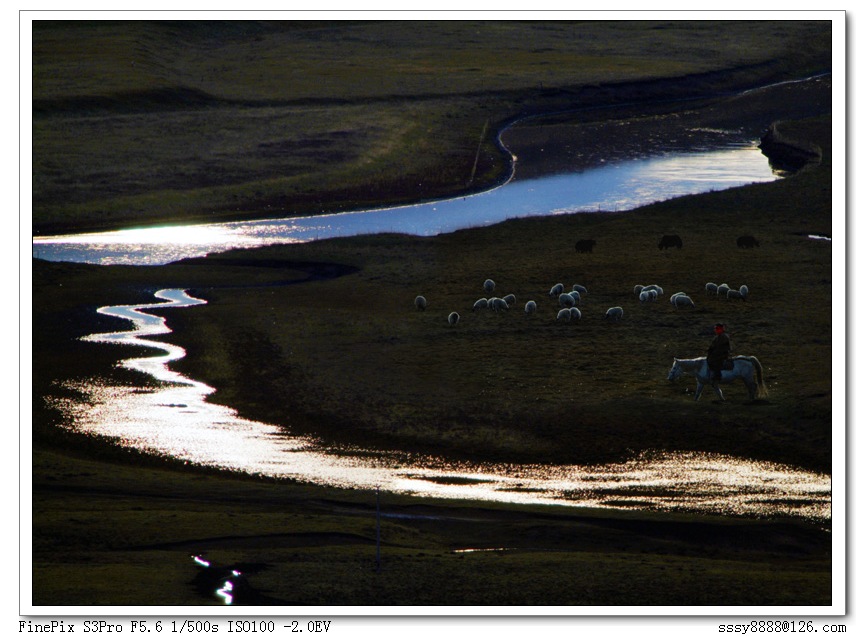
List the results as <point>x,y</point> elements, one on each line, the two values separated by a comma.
<point>752,387</point>
<point>717,387</point>
<point>699,391</point>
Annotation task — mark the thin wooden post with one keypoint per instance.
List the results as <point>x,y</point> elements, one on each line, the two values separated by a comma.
<point>478,153</point>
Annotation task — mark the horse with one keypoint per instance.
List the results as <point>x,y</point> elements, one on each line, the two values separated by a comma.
<point>746,367</point>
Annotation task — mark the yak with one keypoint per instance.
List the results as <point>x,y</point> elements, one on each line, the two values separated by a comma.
<point>670,240</point>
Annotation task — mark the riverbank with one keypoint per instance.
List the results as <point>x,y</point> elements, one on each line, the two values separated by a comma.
<point>114,527</point>
<point>205,121</point>
<point>348,357</point>
<point>109,533</point>
<point>351,359</point>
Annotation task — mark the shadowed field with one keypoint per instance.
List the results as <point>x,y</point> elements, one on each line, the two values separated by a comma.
<point>140,123</point>
<point>351,356</point>
<point>351,359</point>
<point>324,338</point>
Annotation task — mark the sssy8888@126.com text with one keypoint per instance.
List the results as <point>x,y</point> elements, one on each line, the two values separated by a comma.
<point>800,626</point>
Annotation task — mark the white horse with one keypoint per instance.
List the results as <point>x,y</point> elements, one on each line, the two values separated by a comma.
<point>746,367</point>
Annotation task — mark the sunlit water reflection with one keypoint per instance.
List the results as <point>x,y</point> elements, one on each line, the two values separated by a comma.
<point>621,186</point>
<point>176,420</point>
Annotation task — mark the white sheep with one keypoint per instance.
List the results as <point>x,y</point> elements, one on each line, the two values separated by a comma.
<point>510,299</point>
<point>576,296</point>
<point>576,314</point>
<point>645,296</point>
<point>656,288</point>
<point>580,288</point>
<point>531,307</point>
<point>638,289</point>
<point>673,297</point>
<point>420,303</point>
<point>711,289</point>
<point>566,300</point>
<point>557,290</point>
<point>564,314</point>
<point>497,304</point>
<point>453,318</point>
<point>614,314</point>
<point>682,300</point>
<point>653,295</point>
<point>743,290</point>
<point>480,303</point>
<point>489,286</point>
<point>734,294</point>
<point>723,288</point>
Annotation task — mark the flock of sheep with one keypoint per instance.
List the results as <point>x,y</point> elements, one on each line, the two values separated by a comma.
<point>650,293</point>
<point>568,301</point>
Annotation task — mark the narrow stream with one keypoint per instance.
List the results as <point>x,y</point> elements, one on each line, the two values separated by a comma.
<point>176,420</point>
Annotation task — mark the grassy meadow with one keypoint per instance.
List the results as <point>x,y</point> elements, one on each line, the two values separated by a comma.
<point>152,122</point>
<point>324,337</point>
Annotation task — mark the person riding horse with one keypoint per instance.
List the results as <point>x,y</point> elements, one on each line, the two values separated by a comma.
<point>719,352</point>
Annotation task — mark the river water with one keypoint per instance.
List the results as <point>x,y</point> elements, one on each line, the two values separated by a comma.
<point>175,418</point>
<point>623,185</point>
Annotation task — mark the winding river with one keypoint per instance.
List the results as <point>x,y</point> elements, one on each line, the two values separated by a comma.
<point>623,185</point>
<point>173,416</point>
<point>176,420</point>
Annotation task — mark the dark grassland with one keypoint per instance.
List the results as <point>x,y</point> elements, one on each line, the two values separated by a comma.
<point>154,122</point>
<point>348,357</point>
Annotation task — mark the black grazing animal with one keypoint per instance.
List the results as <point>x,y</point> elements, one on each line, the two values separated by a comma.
<point>670,240</point>
<point>585,245</point>
<point>747,241</point>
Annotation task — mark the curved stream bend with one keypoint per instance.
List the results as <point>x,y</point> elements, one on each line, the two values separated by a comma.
<point>624,185</point>
<point>176,420</point>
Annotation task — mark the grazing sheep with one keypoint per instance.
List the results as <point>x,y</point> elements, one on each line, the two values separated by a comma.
<point>711,289</point>
<point>743,290</point>
<point>580,288</point>
<point>453,318</point>
<point>480,303</point>
<point>489,286</point>
<point>564,314</point>
<point>556,290</point>
<point>531,307</point>
<point>420,303</point>
<point>614,314</point>
<point>682,301</point>
<point>575,295</point>
<point>510,299</point>
<point>723,288</point>
<point>497,304</point>
<point>576,314</point>
<point>657,288</point>
<point>734,294</point>
<point>673,297</point>
<point>566,300</point>
<point>645,297</point>
<point>653,295</point>
<point>638,289</point>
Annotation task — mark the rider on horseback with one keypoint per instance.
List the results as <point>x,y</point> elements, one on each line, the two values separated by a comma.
<point>719,352</point>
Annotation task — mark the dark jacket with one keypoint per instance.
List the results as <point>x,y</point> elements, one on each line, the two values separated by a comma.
<point>719,351</point>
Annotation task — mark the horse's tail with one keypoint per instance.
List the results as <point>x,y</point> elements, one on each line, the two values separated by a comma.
<point>762,391</point>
